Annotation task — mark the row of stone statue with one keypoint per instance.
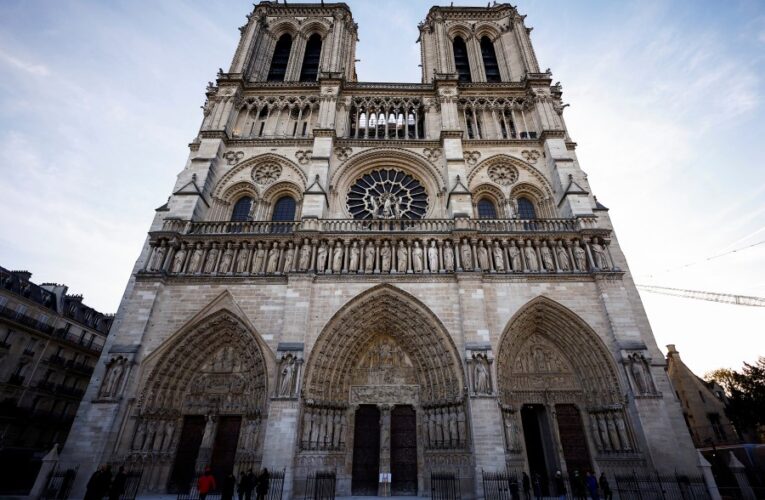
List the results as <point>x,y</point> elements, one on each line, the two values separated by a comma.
<point>381,256</point>
<point>609,431</point>
<point>444,427</point>
<point>155,436</point>
<point>324,428</point>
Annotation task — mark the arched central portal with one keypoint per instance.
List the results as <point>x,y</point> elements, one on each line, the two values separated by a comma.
<point>384,394</point>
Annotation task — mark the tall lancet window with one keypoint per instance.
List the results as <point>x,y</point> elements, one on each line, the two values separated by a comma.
<point>461,62</point>
<point>310,69</point>
<point>281,57</point>
<point>489,60</point>
<point>242,209</point>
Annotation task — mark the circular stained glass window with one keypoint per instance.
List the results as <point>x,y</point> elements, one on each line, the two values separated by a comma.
<point>387,194</point>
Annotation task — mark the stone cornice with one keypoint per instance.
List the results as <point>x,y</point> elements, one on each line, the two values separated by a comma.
<point>371,143</point>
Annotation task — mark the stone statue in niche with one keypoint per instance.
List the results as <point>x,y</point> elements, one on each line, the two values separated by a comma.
<point>321,257</point>
<point>242,257</point>
<point>547,257</point>
<point>466,256</point>
<point>433,257</point>
<point>208,436</point>
<point>212,259</point>
<point>337,257</point>
<point>599,255</point>
<point>115,372</point>
<point>305,256</point>
<point>579,257</point>
<point>532,263</point>
<point>369,257</point>
<point>641,374</point>
<point>273,259</point>
<point>499,258</point>
<point>259,259</point>
<point>512,434</point>
<point>562,254</point>
<point>402,257</point>
<point>417,258</point>
<point>158,258</point>
<point>225,261</point>
<point>448,256</point>
<point>140,435</point>
<point>483,257</point>
<point>287,376</point>
<point>353,261</point>
<point>515,257</point>
<point>481,374</point>
<point>289,257</point>
<point>178,259</point>
<point>169,433</point>
<point>196,259</point>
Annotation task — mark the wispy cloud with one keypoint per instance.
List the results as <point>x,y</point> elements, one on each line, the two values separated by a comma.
<point>24,66</point>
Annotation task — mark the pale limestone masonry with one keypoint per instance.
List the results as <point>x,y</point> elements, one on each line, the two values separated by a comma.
<point>382,278</point>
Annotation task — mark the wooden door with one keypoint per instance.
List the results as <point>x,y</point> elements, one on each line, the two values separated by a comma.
<point>366,451</point>
<point>573,439</point>
<point>403,451</point>
<point>224,449</point>
<point>186,455</point>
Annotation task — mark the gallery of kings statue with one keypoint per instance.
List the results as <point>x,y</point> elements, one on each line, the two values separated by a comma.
<point>380,278</point>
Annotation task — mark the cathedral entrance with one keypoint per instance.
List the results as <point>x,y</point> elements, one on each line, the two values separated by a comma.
<point>186,457</point>
<point>539,447</point>
<point>224,450</point>
<point>573,439</point>
<point>403,451</point>
<point>366,451</point>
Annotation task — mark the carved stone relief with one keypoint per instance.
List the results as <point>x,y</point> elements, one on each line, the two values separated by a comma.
<point>266,173</point>
<point>639,373</point>
<point>233,157</point>
<point>116,373</point>
<point>471,157</point>
<point>303,157</point>
<point>530,155</point>
<point>290,370</point>
<point>343,153</point>
<point>502,174</point>
<point>432,154</point>
<point>479,366</point>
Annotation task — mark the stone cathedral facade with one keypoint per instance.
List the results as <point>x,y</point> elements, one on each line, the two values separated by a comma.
<point>381,278</point>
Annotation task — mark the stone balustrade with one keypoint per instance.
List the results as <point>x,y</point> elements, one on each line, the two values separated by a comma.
<point>396,247</point>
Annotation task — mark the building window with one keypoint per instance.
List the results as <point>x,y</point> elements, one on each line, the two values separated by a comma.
<point>486,209</point>
<point>284,209</point>
<point>310,69</point>
<point>461,62</point>
<point>281,57</point>
<point>489,60</point>
<point>242,209</point>
<point>526,209</point>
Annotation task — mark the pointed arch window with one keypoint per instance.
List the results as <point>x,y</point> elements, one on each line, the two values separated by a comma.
<point>490,65</point>
<point>281,56</point>
<point>486,209</point>
<point>242,209</point>
<point>461,61</point>
<point>284,209</point>
<point>526,209</point>
<point>310,69</point>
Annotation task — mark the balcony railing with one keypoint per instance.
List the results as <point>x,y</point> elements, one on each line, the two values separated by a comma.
<point>426,246</point>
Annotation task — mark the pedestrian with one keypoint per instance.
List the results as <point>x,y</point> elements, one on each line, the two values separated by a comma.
<point>250,485</point>
<point>229,485</point>
<point>241,488</point>
<point>577,486</point>
<point>537,486</point>
<point>514,489</point>
<point>526,486</point>
<point>560,486</point>
<point>592,485</point>
<point>93,490</point>
<point>118,484</point>
<point>264,481</point>
<point>605,488</point>
<point>205,484</point>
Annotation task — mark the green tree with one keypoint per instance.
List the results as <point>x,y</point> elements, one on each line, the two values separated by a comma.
<point>746,394</point>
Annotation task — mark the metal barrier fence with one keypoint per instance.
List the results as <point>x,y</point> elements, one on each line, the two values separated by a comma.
<point>444,486</point>
<point>192,492</point>
<point>60,483</point>
<point>275,485</point>
<point>320,485</point>
<point>655,486</point>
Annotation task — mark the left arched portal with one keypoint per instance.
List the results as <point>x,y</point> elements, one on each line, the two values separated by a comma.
<point>202,403</point>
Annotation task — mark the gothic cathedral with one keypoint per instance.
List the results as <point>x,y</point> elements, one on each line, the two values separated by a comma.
<point>380,278</point>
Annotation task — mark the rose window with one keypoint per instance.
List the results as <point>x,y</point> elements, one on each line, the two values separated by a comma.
<point>266,173</point>
<point>387,194</point>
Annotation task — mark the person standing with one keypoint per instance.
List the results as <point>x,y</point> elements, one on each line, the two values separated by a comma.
<point>526,482</point>
<point>250,485</point>
<point>592,485</point>
<point>241,489</point>
<point>94,485</point>
<point>605,488</point>
<point>118,484</point>
<point>560,486</point>
<point>264,481</point>
<point>229,485</point>
<point>205,484</point>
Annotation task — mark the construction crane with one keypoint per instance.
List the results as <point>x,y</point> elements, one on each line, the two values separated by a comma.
<point>725,298</point>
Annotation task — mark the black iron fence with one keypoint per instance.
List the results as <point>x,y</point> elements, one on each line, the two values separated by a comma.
<point>276,485</point>
<point>192,491</point>
<point>320,485</point>
<point>132,479</point>
<point>445,486</point>
<point>665,487</point>
<point>60,483</point>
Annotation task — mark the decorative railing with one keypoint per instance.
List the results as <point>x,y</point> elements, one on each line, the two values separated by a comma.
<point>427,246</point>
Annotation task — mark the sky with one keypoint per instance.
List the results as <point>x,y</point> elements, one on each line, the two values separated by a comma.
<point>98,101</point>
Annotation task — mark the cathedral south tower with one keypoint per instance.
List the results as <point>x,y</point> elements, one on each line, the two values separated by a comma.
<point>382,281</point>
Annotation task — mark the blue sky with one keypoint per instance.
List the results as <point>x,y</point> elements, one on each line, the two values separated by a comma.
<point>98,101</point>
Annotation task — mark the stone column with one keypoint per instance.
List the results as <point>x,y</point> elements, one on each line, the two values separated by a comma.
<point>385,430</point>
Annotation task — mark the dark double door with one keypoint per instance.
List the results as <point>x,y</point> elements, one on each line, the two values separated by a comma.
<point>223,452</point>
<point>403,451</point>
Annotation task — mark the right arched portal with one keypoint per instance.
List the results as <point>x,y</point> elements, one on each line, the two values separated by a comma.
<point>559,392</point>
